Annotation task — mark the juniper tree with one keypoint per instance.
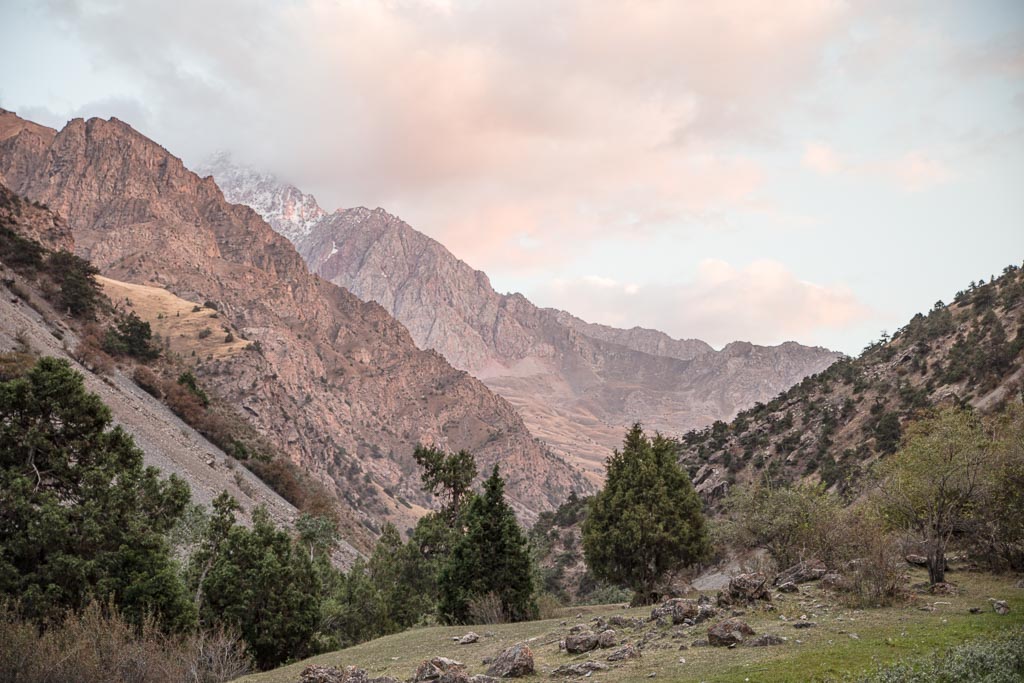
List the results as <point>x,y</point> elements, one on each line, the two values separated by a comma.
<point>647,520</point>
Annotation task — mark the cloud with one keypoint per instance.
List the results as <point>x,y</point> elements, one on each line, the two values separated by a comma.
<point>912,171</point>
<point>761,302</point>
<point>507,130</point>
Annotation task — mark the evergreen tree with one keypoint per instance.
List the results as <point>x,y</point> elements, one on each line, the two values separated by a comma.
<point>81,518</point>
<point>446,475</point>
<point>396,574</point>
<point>647,520</point>
<point>492,557</point>
<point>260,582</point>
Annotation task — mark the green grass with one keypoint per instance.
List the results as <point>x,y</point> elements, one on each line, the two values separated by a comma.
<point>827,651</point>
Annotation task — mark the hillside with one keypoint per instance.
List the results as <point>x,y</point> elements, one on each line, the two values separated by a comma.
<point>334,383</point>
<point>833,425</point>
<point>30,327</point>
<point>577,385</point>
<point>842,641</point>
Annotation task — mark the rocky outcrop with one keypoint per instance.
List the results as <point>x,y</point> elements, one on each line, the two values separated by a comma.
<point>577,385</point>
<point>745,589</point>
<point>335,383</point>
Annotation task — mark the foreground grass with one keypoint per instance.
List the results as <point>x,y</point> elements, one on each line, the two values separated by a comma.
<point>844,641</point>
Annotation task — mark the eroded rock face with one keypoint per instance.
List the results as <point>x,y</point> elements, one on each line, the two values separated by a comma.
<point>338,385</point>
<point>729,632</point>
<point>514,662</point>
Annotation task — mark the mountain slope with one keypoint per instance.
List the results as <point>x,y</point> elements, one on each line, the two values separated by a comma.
<point>577,385</point>
<point>832,426</point>
<point>334,382</point>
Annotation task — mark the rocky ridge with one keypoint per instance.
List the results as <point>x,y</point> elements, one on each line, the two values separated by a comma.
<point>335,383</point>
<point>576,384</point>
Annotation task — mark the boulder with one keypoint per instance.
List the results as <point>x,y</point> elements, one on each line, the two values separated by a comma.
<point>480,678</point>
<point>683,611</point>
<point>606,639</point>
<point>917,560</point>
<point>766,640</point>
<point>623,653</point>
<point>329,674</point>
<point>438,669</point>
<point>729,632</point>
<point>942,588</point>
<point>831,580</point>
<point>802,572</point>
<point>514,662</point>
<point>579,669</point>
<point>804,624</point>
<point>468,638</point>
<point>577,643</point>
<point>745,589</point>
<point>1001,607</point>
<point>788,587</point>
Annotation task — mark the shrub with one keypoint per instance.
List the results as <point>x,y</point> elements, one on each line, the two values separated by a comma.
<point>131,336</point>
<point>98,644</point>
<point>147,381</point>
<point>228,338</point>
<point>989,660</point>
<point>486,609</point>
<point>79,293</point>
<point>205,332</point>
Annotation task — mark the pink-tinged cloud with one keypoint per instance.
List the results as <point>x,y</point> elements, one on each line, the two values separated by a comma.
<point>508,130</point>
<point>912,171</point>
<point>761,302</point>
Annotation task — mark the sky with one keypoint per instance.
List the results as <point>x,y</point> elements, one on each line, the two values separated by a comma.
<point>809,170</point>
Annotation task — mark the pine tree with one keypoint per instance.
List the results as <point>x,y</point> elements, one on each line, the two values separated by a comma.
<point>491,558</point>
<point>647,520</point>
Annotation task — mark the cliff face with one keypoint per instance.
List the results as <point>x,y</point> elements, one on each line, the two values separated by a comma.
<point>337,383</point>
<point>576,384</point>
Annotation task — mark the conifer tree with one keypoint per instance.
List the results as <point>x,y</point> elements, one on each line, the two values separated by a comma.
<point>647,520</point>
<point>491,558</point>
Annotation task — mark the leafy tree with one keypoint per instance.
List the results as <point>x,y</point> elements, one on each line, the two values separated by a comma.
<point>492,557</point>
<point>396,574</point>
<point>260,582</point>
<point>931,486</point>
<point>446,475</point>
<point>80,517</point>
<point>647,520</point>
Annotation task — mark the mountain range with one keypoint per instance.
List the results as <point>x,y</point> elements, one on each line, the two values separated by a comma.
<point>577,385</point>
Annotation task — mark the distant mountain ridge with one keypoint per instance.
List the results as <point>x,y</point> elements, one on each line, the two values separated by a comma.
<point>335,383</point>
<point>576,384</point>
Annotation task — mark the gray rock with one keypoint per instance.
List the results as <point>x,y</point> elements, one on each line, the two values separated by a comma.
<point>468,638</point>
<point>729,632</point>
<point>623,653</point>
<point>765,640</point>
<point>514,662</point>
<point>579,669</point>
<point>577,643</point>
<point>1001,607</point>
<point>745,589</point>
<point>436,668</point>
<point>788,587</point>
<point>802,572</point>
<point>804,624</point>
<point>606,639</point>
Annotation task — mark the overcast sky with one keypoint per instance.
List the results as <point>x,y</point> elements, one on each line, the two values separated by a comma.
<point>795,169</point>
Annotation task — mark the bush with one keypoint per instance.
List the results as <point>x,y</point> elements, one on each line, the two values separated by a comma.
<point>98,645</point>
<point>147,381</point>
<point>486,609</point>
<point>874,570</point>
<point>79,293</point>
<point>131,336</point>
<point>205,332</point>
<point>985,660</point>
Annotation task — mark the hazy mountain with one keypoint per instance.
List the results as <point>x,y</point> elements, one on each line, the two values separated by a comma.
<point>576,384</point>
<point>335,383</point>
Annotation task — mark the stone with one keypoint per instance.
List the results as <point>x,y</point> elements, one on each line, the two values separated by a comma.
<point>917,560</point>
<point>830,580</point>
<point>729,632</point>
<point>788,587</point>
<point>802,572</point>
<point>481,678</point>
<point>435,668</point>
<point>623,653</point>
<point>468,638</point>
<point>975,610</point>
<point>579,669</point>
<point>804,624</point>
<point>745,589</point>
<point>606,639</point>
<point>765,640</point>
<point>514,662</point>
<point>942,588</point>
<point>350,674</point>
<point>1000,607</point>
<point>578,643</point>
